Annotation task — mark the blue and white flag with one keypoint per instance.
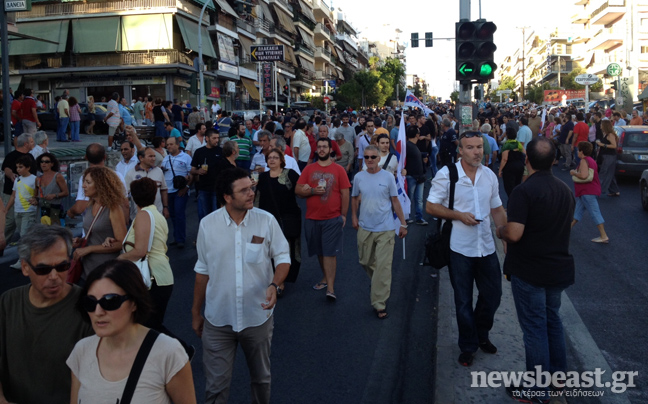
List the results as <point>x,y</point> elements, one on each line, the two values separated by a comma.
<point>404,200</point>
<point>412,101</point>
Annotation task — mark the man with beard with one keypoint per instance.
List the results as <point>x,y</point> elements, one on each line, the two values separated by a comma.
<point>326,188</point>
<point>534,122</point>
<point>473,259</point>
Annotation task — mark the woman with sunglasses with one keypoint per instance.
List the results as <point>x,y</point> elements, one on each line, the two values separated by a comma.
<point>51,188</point>
<point>117,302</point>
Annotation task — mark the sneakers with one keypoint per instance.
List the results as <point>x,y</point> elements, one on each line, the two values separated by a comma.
<point>409,221</point>
<point>522,395</point>
<point>421,222</point>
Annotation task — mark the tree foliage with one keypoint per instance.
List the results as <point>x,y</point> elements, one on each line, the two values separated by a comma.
<point>454,96</point>
<point>569,81</point>
<point>374,86</point>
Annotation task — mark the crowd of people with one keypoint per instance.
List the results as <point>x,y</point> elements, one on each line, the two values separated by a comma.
<point>247,176</point>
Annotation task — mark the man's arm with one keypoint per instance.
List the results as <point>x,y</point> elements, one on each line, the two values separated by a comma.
<point>345,204</point>
<point>355,204</point>
<point>510,232</point>
<point>200,288</point>
<point>402,232</point>
<point>78,208</point>
<point>164,195</point>
<point>440,211</point>
<point>35,115</point>
<point>10,174</point>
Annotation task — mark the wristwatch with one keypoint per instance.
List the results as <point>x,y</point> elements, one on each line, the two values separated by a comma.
<point>274,284</point>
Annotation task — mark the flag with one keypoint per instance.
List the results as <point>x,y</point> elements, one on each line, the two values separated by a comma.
<point>412,101</point>
<point>544,116</point>
<point>404,200</point>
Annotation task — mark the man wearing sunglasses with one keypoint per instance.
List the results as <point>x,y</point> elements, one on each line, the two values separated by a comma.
<point>40,321</point>
<point>473,259</point>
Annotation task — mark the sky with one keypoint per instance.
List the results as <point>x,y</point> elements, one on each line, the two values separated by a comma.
<point>378,20</point>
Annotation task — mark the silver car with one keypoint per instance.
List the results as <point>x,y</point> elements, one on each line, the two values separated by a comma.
<point>644,189</point>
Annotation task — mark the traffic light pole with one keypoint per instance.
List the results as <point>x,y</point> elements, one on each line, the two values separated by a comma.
<point>464,90</point>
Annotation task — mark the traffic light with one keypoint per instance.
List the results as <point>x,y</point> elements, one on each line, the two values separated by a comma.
<point>477,93</point>
<point>286,89</point>
<point>428,39</point>
<point>193,83</point>
<point>415,39</point>
<point>615,87</point>
<point>475,51</point>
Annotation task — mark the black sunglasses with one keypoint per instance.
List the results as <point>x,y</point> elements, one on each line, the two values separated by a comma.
<point>468,135</point>
<point>109,302</point>
<point>46,269</point>
<point>371,157</point>
<point>45,161</point>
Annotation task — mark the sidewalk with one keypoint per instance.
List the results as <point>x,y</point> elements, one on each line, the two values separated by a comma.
<point>453,381</point>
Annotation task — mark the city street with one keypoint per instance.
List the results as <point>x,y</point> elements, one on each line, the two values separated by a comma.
<point>341,353</point>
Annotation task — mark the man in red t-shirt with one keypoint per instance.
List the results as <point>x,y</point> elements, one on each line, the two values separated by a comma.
<point>29,114</point>
<point>581,134</point>
<point>326,187</point>
<point>16,112</point>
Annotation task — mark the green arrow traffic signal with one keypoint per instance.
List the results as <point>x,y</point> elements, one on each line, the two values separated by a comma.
<point>466,69</point>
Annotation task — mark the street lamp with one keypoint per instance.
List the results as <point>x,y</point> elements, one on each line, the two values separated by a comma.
<point>200,53</point>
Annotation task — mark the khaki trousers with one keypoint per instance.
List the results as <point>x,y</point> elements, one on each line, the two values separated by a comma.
<point>376,252</point>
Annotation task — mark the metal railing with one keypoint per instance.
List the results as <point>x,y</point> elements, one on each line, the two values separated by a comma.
<point>299,17</point>
<point>321,28</point>
<point>302,47</point>
<point>305,75</point>
<point>102,7</point>
<point>134,59</point>
<point>323,52</point>
<point>247,25</point>
<point>605,5</point>
<point>265,25</point>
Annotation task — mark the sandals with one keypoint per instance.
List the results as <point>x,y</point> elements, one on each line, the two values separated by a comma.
<point>614,194</point>
<point>601,240</point>
<point>330,296</point>
<point>320,285</point>
<point>381,314</point>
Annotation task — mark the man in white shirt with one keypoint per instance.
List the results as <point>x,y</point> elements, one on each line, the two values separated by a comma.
<point>236,273</point>
<point>300,145</point>
<point>177,164</point>
<point>147,168</point>
<point>198,140</point>
<point>259,160</point>
<point>363,140</point>
<point>128,160</point>
<point>472,249</point>
<point>113,118</point>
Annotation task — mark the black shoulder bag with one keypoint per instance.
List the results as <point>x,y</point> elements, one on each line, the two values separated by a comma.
<point>437,246</point>
<point>384,167</point>
<point>179,182</point>
<point>138,365</point>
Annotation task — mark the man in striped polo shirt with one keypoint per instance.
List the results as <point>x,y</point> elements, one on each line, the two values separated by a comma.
<point>245,148</point>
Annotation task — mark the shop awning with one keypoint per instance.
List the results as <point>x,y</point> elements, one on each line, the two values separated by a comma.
<point>306,37</point>
<point>210,5</point>
<point>342,60</point>
<point>226,48</point>
<point>281,81</point>
<point>285,21</point>
<point>246,43</point>
<point>189,31</point>
<point>150,32</point>
<point>307,11</point>
<point>306,64</point>
<point>251,88</point>
<point>14,82</point>
<point>265,10</point>
<point>53,30</point>
<point>226,8</point>
<point>92,35</point>
<point>334,51</point>
<point>341,75</point>
<point>349,48</point>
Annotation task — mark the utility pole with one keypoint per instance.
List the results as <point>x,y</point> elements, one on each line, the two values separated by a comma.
<point>5,81</point>
<point>523,60</point>
<point>465,87</point>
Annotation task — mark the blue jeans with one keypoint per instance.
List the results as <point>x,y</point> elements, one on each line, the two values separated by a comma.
<point>475,323</point>
<point>18,128</point>
<point>177,209</point>
<point>433,159</point>
<point>415,190</point>
<point>537,310</point>
<point>160,131</point>
<point>178,126</point>
<point>590,204</point>
<point>75,127</point>
<point>244,164</point>
<point>207,203</point>
<point>61,133</point>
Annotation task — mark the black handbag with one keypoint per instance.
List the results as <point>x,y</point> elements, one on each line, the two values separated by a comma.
<point>437,246</point>
<point>179,182</point>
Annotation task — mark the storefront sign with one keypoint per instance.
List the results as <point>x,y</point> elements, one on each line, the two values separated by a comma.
<point>224,67</point>
<point>215,92</point>
<point>552,96</point>
<point>226,48</point>
<point>231,87</point>
<point>17,5</point>
<point>108,81</point>
<point>267,53</point>
<point>267,80</point>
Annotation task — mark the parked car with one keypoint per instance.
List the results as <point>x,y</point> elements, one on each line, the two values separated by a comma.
<point>643,183</point>
<point>632,151</point>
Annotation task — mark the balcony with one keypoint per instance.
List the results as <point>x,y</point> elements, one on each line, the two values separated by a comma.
<point>300,18</point>
<point>322,53</point>
<point>602,60</point>
<point>283,4</point>
<point>264,27</point>
<point>607,39</point>
<point>608,12</point>
<point>288,68</point>
<point>247,25</point>
<point>321,9</point>
<point>302,47</point>
<point>81,8</point>
<point>580,18</point>
<point>305,76</point>
<point>322,33</point>
<point>348,39</point>
<point>581,2</point>
<point>102,60</point>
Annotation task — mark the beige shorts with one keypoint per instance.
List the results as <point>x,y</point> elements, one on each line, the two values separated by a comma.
<point>112,130</point>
